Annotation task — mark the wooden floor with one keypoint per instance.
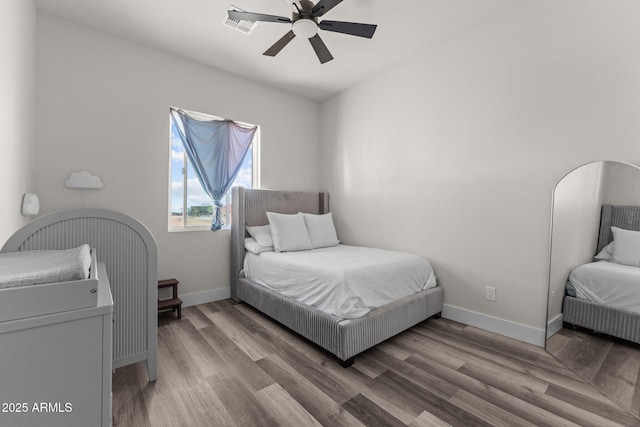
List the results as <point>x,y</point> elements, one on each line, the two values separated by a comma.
<point>612,365</point>
<point>228,365</point>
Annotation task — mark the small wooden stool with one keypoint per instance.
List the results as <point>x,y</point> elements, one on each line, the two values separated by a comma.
<point>173,303</point>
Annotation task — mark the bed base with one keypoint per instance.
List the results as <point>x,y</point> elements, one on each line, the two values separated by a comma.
<point>343,338</point>
<point>601,318</point>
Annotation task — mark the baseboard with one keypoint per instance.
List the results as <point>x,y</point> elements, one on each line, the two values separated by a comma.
<point>504,327</point>
<point>205,297</point>
<point>554,325</point>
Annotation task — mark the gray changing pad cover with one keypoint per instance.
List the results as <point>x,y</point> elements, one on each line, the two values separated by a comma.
<point>27,268</point>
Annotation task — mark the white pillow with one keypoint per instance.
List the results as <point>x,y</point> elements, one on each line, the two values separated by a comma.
<point>606,254</point>
<point>322,232</point>
<point>627,246</point>
<point>262,234</point>
<point>253,246</point>
<point>289,232</point>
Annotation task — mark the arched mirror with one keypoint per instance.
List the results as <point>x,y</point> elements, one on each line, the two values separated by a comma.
<point>595,329</point>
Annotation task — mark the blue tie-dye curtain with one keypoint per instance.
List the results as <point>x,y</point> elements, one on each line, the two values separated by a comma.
<point>216,149</point>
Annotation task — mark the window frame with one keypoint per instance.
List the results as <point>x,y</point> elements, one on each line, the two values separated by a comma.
<point>255,177</point>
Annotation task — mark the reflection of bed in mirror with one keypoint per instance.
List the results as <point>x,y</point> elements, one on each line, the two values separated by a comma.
<point>610,364</point>
<point>604,295</point>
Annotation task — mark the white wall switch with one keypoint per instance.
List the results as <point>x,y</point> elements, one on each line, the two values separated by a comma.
<point>491,293</point>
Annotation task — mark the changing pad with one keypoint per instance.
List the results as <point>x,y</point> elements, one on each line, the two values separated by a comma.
<point>27,268</point>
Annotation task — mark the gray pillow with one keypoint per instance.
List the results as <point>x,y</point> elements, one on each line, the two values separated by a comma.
<point>262,234</point>
<point>253,246</point>
<point>626,249</point>
<point>322,232</point>
<point>289,232</point>
<point>606,254</point>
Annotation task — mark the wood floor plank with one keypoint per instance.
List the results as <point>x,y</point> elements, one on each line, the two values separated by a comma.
<point>280,334</point>
<point>128,402</point>
<point>240,401</point>
<point>618,374</point>
<point>201,355</point>
<point>540,400</point>
<point>514,404</point>
<point>611,364</point>
<point>389,407</point>
<point>369,413</point>
<point>603,407</point>
<point>492,414</point>
<point>426,419</point>
<point>527,360</point>
<point>208,308</point>
<point>416,399</point>
<point>235,360</point>
<point>416,343</point>
<point>316,365</point>
<point>543,367</point>
<point>635,400</point>
<point>178,369</point>
<point>285,410</point>
<point>196,317</point>
<point>372,368</point>
<point>240,336</point>
<point>410,372</point>
<point>226,364</point>
<point>321,406</point>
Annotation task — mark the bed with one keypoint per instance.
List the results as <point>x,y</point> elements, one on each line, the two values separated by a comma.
<point>604,296</point>
<point>343,337</point>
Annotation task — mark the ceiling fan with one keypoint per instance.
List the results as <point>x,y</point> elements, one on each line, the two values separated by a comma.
<point>305,24</point>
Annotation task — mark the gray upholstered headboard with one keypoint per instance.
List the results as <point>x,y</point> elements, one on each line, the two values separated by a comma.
<point>627,217</point>
<point>249,208</point>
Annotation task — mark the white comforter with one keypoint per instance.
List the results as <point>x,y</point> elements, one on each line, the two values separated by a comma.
<point>346,281</point>
<point>38,267</point>
<point>608,283</point>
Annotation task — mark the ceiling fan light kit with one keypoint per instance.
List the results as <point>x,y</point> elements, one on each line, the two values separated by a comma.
<point>305,24</point>
<point>305,28</point>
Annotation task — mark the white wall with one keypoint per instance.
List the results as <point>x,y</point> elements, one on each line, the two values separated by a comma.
<point>103,106</point>
<point>621,184</point>
<point>17,109</point>
<point>454,154</point>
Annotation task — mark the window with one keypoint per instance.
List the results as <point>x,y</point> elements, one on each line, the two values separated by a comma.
<point>190,207</point>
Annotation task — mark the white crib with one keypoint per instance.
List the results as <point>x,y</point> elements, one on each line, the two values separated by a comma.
<point>129,252</point>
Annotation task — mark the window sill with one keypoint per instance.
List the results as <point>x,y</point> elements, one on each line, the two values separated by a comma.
<point>188,229</point>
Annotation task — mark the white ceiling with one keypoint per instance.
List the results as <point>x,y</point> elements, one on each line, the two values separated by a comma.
<point>193,29</point>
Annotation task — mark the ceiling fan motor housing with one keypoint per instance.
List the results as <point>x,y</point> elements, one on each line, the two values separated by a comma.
<point>305,27</point>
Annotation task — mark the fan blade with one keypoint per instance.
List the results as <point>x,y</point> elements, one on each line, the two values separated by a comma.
<point>324,6</point>
<point>280,44</point>
<point>321,49</point>
<point>249,16</point>
<point>351,28</point>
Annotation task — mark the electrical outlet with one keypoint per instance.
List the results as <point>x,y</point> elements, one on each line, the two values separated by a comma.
<point>491,293</point>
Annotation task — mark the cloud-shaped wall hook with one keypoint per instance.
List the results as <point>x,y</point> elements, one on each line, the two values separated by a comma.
<point>83,180</point>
